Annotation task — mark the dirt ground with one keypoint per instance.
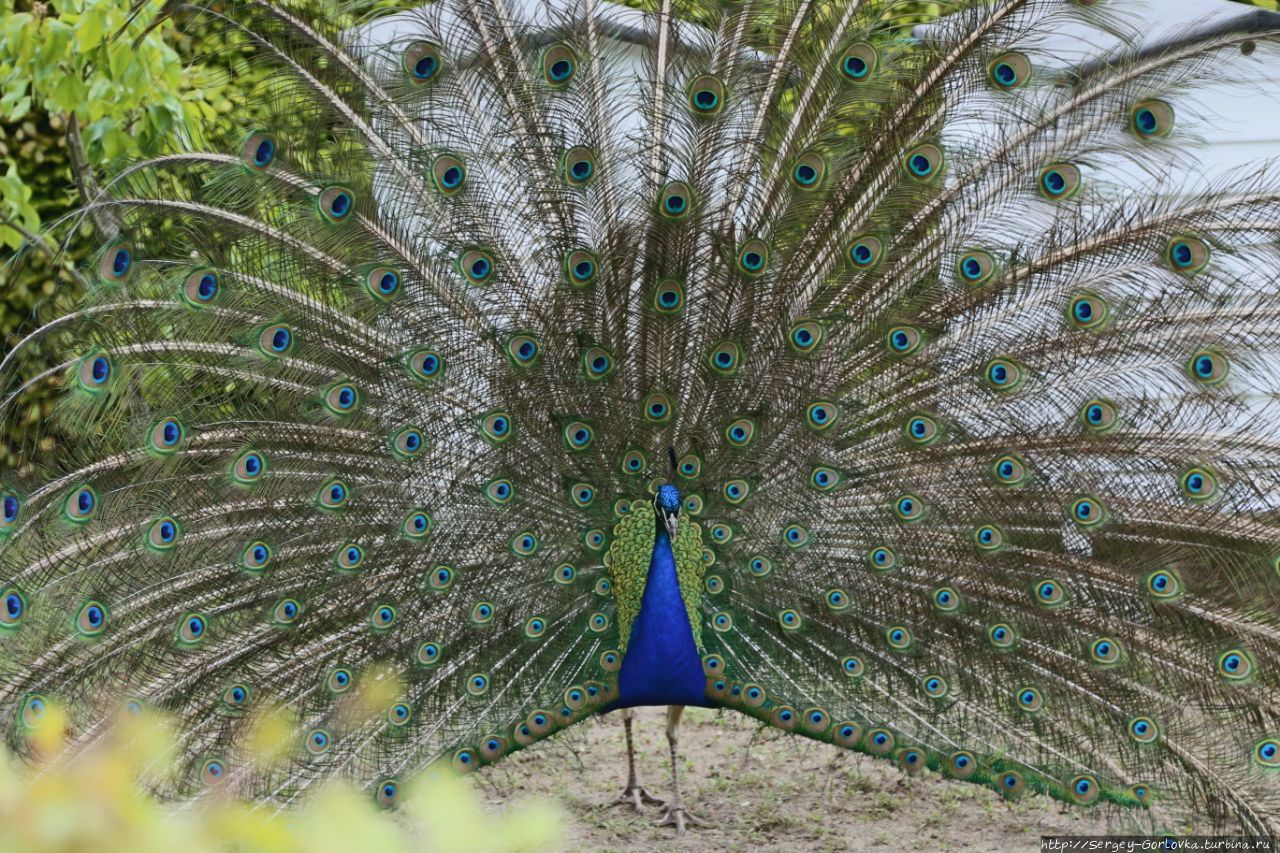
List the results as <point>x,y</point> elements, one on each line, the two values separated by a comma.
<point>763,789</point>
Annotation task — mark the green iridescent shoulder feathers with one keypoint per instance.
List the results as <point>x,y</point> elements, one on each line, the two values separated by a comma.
<point>627,562</point>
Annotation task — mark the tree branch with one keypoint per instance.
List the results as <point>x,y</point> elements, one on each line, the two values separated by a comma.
<point>41,243</point>
<point>104,218</point>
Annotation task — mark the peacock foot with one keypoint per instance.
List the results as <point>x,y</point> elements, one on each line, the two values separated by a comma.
<point>636,797</point>
<point>680,819</point>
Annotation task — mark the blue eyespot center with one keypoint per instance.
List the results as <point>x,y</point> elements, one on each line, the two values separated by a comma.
<point>207,288</point>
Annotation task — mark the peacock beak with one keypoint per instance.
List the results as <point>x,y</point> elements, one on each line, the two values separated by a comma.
<point>670,519</point>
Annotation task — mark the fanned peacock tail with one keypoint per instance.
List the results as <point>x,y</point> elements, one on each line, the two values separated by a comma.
<point>977,438</point>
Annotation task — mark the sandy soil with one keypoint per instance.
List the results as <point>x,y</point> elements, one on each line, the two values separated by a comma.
<point>763,789</point>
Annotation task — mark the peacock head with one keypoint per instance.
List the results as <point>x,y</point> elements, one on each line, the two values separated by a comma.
<point>666,502</point>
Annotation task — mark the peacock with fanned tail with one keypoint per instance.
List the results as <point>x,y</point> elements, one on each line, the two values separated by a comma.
<point>532,361</point>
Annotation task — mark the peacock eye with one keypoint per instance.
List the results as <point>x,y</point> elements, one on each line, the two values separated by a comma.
<point>706,95</point>
<point>579,166</point>
<point>407,442</point>
<point>336,203</point>
<point>858,62</point>
<point>429,654</point>
<point>422,62</point>
<point>14,608</point>
<point>476,266</point>
<point>668,297</point>
<point>675,200</point>
<point>449,174</point>
<point>923,163</point>
<point>578,436</point>
<point>425,364</point>
<point>559,64</point>
<point>808,171</point>
<point>1058,181</point>
<point>1151,118</point>
<point>864,252</point>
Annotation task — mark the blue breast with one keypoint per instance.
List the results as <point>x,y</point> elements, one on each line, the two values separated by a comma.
<point>662,665</point>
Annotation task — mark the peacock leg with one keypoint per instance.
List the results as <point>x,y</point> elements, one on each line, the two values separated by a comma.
<point>634,795</point>
<point>675,814</point>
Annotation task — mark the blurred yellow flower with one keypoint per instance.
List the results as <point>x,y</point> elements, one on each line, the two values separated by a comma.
<point>94,801</point>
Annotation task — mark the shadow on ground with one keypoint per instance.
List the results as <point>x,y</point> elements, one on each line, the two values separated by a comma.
<point>763,788</point>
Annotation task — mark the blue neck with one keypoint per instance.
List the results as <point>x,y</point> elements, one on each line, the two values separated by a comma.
<point>662,665</point>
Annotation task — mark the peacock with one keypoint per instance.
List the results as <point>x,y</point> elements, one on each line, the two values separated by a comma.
<point>520,361</point>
